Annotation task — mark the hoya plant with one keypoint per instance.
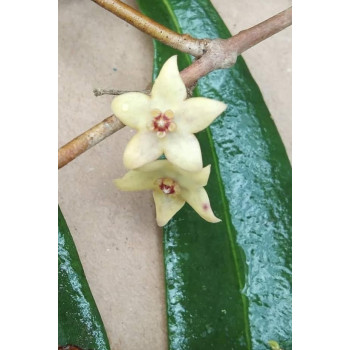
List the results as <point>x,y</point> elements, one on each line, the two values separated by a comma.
<point>200,141</point>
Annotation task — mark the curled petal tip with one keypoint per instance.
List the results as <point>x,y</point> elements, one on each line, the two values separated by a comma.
<point>215,220</point>
<point>120,184</point>
<point>116,182</point>
<point>161,223</point>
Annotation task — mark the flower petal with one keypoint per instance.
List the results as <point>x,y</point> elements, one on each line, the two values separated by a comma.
<point>168,89</point>
<point>192,180</point>
<point>133,109</point>
<point>197,113</point>
<point>135,180</point>
<point>161,166</point>
<point>144,147</point>
<point>198,199</point>
<point>167,206</point>
<point>188,180</point>
<point>183,150</point>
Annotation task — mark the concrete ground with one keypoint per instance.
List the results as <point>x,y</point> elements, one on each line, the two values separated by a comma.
<point>119,244</point>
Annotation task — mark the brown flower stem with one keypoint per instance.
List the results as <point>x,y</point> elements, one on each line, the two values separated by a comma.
<point>223,53</point>
<point>245,39</point>
<point>88,139</point>
<point>219,54</point>
<point>182,42</point>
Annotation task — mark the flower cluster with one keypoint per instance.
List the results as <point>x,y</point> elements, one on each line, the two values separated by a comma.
<point>165,122</point>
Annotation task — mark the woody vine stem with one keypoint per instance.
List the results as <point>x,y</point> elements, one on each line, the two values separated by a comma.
<point>211,54</point>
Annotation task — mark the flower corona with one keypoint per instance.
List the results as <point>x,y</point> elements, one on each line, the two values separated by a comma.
<point>162,122</point>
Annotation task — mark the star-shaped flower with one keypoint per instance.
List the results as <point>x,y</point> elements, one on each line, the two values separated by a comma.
<point>165,121</point>
<point>172,187</point>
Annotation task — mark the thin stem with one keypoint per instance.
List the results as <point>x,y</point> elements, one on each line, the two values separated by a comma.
<point>182,42</point>
<point>223,53</point>
<point>100,92</point>
<point>88,139</point>
<point>245,39</point>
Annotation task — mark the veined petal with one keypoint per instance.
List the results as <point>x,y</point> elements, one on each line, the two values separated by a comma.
<point>167,206</point>
<point>183,150</point>
<point>133,109</point>
<point>135,180</point>
<point>197,113</point>
<point>168,89</point>
<point>143,148</point>
<point>199,201</point>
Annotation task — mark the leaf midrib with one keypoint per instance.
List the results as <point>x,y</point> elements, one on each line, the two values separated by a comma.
<point>222,194</point>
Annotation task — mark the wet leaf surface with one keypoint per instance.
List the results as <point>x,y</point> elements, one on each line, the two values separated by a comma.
<point>79,321</point>
<point>229,284</point>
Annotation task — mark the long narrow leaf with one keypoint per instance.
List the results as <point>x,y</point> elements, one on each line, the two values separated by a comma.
<point>229,284</point>
<point>79,322</point>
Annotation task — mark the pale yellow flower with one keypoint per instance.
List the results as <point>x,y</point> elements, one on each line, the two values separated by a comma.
<point>172,187</point>
<point>165,121</point>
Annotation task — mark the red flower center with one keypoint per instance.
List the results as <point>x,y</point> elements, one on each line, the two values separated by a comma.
<point>161,123</point>
<point>168,186</point>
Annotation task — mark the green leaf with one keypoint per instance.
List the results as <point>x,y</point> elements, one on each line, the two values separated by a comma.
<point>79,322</point>
<point>229,284</point>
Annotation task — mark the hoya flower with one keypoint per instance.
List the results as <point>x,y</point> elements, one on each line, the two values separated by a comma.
<point>165,121</point>
<point>172,187</point>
